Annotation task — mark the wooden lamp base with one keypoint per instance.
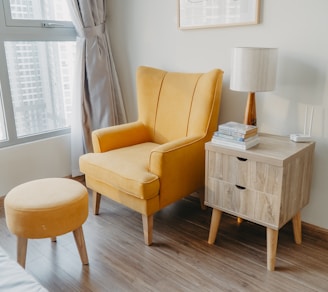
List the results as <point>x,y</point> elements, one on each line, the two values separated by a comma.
<point>250,111</point>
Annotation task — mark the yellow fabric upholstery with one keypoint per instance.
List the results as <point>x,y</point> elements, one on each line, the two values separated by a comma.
<point>157,160</point>
<point>47,208</point>
<point>127,170</point>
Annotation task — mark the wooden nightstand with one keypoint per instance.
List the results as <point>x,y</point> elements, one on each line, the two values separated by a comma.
<point>268,184</point>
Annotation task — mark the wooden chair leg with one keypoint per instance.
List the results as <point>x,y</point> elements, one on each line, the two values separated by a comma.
<point>96,202</point>
<point>80,243</point>
<point>147,223</point>
<point>21,250</point>
<point>201,194</point>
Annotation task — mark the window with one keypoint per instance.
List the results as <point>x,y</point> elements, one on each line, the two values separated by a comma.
<point>36,12</point>
<point>37,52</point>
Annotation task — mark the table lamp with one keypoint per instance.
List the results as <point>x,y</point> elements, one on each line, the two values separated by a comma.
<point>253,70</point>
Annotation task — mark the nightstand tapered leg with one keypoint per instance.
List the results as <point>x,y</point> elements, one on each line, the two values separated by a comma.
<point>272,242</point>
<point>297,228</point>
<point>215,222</point>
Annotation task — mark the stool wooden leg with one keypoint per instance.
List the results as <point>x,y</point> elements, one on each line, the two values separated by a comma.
<point>80,243</point>
<point>54,239</point>
<point>21,250</point>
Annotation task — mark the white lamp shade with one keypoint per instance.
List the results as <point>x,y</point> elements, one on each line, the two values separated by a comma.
<point>253,69</point>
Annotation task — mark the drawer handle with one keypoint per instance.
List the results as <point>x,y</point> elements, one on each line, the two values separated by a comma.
<point>242,159</point>
<point>240,187</point>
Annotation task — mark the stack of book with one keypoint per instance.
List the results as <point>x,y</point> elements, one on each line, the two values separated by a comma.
<point>236,135</point>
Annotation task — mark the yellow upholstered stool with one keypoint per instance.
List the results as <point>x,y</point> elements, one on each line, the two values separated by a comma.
<point>47,208</point>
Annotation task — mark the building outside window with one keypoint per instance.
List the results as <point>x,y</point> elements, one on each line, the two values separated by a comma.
<point>37,51</point>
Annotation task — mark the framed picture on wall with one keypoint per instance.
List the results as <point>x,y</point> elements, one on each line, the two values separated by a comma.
<point>214,13</point>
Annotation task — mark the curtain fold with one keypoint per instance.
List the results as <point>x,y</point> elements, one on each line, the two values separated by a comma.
<point>97,97</point>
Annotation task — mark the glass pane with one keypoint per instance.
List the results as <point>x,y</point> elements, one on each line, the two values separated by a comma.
<point>40,75</point>
<point>40,9</point>
<point>3,132</point>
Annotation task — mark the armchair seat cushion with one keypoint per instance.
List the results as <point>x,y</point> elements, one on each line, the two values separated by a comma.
<point>125,169</point>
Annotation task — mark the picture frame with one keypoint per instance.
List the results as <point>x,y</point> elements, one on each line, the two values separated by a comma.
<point>193,14</point>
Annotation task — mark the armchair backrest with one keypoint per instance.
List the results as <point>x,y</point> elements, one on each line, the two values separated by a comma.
<point>174,105</point>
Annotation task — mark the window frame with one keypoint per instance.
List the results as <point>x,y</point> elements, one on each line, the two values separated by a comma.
<point>32,22</point>
<point>26,30</point>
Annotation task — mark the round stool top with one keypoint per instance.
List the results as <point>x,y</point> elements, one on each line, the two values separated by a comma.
<point>45,193</point>
<point>46,207</point>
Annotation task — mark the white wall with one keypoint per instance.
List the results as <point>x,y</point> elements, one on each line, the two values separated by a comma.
<point>145,32</point>
<point>45,158</point>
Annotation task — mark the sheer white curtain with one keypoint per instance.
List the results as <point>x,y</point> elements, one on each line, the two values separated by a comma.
<point>97,100</point>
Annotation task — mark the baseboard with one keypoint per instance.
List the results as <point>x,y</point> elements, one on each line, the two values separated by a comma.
<point>315,231</point>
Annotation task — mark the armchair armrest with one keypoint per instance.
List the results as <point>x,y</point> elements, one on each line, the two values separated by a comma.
<point>172,151</point>
<point>114,137</point>
<point>177,144</point>
<point>180,164</point>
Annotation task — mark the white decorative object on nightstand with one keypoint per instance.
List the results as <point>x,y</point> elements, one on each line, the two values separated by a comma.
<point>268,185</point>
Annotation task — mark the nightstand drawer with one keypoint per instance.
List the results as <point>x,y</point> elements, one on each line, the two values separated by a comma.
<point>248,173</point>
<point>260,207</point>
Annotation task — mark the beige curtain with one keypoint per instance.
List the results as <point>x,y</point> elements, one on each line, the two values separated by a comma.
<point>97,101</point>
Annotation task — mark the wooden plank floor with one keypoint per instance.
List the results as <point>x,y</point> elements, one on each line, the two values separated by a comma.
<point>180,258</point>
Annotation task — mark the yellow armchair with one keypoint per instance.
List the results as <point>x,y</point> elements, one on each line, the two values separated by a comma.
<point>159,159</point>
